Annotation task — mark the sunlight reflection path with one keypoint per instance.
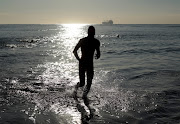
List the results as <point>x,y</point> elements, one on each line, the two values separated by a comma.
<point>72,33</point>
<point>64,65</point>
<point>62,69</point>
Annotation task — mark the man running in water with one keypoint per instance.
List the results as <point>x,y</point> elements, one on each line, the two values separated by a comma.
<point>88,46</point>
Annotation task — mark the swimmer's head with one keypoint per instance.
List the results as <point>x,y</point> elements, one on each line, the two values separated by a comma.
<point>91,31</point>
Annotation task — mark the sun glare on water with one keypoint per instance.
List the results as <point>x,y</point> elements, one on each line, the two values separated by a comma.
<point>71,35</point>
<point>74,30</point>
<point>61,71</point>
<point>62,48</point>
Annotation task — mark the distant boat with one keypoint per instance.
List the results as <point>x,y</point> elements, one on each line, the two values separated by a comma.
<point>109,22</point>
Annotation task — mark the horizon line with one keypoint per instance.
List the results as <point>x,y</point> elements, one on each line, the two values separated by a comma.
<point>89,24</point>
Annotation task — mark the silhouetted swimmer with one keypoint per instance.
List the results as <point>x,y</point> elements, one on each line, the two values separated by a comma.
<point>88,46</point>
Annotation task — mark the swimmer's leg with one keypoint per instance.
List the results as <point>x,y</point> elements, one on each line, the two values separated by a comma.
<point>81,76</point>
<point>90,74</point>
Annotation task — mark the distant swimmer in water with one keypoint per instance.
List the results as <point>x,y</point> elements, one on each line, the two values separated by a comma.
<point>88,46</point>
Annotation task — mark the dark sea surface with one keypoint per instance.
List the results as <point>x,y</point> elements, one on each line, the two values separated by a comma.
<point>136,81</point>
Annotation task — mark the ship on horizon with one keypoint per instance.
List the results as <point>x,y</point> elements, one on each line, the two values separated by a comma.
<point>108,22</point>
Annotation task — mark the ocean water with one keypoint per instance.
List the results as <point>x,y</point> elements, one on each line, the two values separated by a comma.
<point>136,81</point>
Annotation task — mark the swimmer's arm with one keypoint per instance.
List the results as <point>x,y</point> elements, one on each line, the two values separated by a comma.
<point>75,51</point>
<point>98,53</point>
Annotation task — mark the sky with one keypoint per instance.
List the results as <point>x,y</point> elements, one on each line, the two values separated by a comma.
<point>89,11</point>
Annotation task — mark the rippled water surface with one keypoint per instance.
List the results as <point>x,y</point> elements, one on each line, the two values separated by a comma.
<point>137,78</point>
